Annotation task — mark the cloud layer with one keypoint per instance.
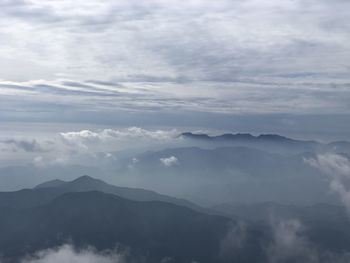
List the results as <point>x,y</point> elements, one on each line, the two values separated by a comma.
<point>227,57</point>
<point>167,40</point>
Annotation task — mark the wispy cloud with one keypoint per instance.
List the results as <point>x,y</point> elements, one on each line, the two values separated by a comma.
<point>337,168</point>
<point>68,253</point>
<point>86,137</point>
<point>95,145</point>
<point>169,161</point>
<point>25,145</point>
<point>289,244</point>
<point>224,57</point>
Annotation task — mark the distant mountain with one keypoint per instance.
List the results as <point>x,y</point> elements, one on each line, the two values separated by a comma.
<point>86,183</point>
<point>226,174</point>
<point>46,192</point>
<point>50,184</point>
<point>57,213</point>
<point>268,142</point>
<point>14,178</point>
<point>245,137</point>
<point>152,229</point>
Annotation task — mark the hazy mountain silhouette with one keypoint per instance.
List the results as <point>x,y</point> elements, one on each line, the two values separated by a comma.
<point>87,183</point>
<point>153,230</point>
<point>268,142</point>
<point>242,174</point>
<point>47,191</point>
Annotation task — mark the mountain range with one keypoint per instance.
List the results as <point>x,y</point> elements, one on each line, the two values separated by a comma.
<point>268,142</point>
<point>223,174</point>
<point>151,227</point>
<point>81,213</point>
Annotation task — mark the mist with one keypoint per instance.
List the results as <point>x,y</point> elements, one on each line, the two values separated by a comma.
<point>169,131</point>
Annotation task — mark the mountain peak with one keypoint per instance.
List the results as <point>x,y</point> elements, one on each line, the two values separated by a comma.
<point>50,184</point>
<point>86,181</point>
<point>242,136</point>
<point>86,178</point>
<point>273,137</point>
<point>196,135</point>
<point>238,137</point>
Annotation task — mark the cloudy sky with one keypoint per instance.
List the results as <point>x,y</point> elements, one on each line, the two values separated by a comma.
<point>256,66</point>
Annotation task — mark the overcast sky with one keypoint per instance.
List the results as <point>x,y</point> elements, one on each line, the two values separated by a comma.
<point>250,66</point>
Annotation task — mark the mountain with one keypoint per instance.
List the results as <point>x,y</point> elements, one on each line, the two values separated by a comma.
<point>267,142</point>
<point>50,184</point>
<point>14,178</point>
<point>151,230</point>
<point>86,183</point>
<point>226,174</point>
<point>46,192</point>
<point>246,137</point>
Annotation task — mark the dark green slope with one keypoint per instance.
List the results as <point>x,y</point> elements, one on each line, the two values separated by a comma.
<point>87,183</point>
<point>154,229</point>
<point>47,191</point>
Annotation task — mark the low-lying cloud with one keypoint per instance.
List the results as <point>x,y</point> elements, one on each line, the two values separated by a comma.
<point>25,145</point>
<point>169,161</point>
<point>289,245</point>
<point>68,254</point>
<point>85,137</point>
<point>234,241</point>
<point>88,146</point>
<point>337,169</point>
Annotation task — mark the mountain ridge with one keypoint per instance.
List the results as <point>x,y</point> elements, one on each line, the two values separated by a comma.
<point>152,228</point>
<point>47,191</point>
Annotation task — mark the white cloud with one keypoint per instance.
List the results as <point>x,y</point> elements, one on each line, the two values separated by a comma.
<point>86,137</point>
<point>169,161</point>
<point>39,161</point>
<point>169,39</point>
<point>228,56</point>
<point>68,254</point>
<point>85,146</point>
<point>337,168</point>
<point>289,245</point>
<point>107,134</point>
<point>234,241</point>
<point>25,145</point>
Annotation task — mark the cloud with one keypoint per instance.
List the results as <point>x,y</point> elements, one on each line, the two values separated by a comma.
<point>169,161</point>
<point>234,241</point>
<point>24,145</point>
<point>68,253</point>
<point>180,41</point>
<point>337,168</point>
<point>85,147</point>
<point>85,137</point>
<point>289,245</point>
<point>250,96</point>
<point>39,161</point>
<point>164,56</point>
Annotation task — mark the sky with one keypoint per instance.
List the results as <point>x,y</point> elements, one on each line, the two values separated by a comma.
<point>277,66</point>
